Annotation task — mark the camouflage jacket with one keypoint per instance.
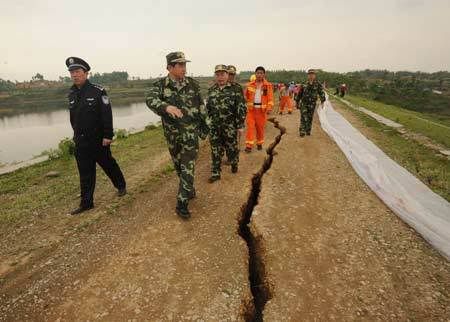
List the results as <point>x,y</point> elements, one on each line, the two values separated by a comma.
<point>186,96</point>
<point>238,86</point>
<point>310,92</point>
<point>226,106</point>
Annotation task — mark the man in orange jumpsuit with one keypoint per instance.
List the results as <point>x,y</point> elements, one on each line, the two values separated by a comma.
<point>284,99</point>
<point>259,98</point>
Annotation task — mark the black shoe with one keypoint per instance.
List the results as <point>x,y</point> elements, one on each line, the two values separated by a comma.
<point>192,195</point>
<point>281,113</point>
<point>213,179</point>
<point>182,210</point>
<point>248,150</point>
<point>308,134</point>
<point>234,168</point>
<point>290,112</point>
<point>302,135</point>
<point>122,192</point>
<point>259,147</point>
<point>80,210</point>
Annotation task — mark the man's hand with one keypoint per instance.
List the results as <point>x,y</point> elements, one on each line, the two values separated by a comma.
<point>174,111</point>
<point>106,142</point>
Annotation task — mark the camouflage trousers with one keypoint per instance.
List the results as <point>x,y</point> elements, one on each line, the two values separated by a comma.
<point>306,117</point>
<point>183,149</point>
<point>223,139</point>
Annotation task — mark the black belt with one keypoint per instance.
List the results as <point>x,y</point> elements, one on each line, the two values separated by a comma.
<point>257,103</point>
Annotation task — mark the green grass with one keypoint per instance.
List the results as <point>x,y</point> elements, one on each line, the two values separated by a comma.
<point>27,192</point>
<point>428,166</point>
<point>437,129</point>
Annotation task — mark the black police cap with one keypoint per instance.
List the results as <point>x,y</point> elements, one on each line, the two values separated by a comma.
<point>73,63</point>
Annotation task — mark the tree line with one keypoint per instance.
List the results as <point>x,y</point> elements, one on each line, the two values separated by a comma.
<point>412,90</point>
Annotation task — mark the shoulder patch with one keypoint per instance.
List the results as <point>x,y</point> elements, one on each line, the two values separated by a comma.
<point>105,99</point>
<point>98,86</point>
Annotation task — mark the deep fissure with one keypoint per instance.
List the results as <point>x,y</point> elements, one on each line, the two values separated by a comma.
<point>259,284</point>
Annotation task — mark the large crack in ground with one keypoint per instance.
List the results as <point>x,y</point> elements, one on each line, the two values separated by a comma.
<point>259,283</point>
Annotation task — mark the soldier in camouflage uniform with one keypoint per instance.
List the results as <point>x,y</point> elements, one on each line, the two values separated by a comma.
<point>307,100</point>
<point>238,87</point>
<point>226,110</point>
<point>232,80</point>
<point>176,98</point>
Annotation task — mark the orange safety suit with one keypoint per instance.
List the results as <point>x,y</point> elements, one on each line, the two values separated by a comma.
<point>285,100</point>
<point>257,113</point>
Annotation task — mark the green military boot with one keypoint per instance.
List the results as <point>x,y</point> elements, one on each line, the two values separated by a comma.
<point>192,194</point>
<point>182,209</point>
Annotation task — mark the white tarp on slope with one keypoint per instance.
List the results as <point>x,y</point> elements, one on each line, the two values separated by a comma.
<point>408,197</point>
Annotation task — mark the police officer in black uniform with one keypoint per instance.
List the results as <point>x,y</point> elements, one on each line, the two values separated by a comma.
<point>91,120</point>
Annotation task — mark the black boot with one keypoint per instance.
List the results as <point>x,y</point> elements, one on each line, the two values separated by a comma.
<point>248,150</point>
<point>121,192</point>
<point>213,178</point>
<point>182,210</point>
<point>80,210</point>
<point>234,168</point>
<point>259,147</point>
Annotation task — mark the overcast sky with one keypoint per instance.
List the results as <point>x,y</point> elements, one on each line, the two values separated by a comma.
<point>37,36</point>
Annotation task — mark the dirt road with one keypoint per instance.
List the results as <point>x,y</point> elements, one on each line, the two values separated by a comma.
<point>322,247</point>
<point>333,250</point>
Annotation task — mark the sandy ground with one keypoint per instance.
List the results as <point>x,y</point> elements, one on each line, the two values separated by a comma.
<point>330,248</point>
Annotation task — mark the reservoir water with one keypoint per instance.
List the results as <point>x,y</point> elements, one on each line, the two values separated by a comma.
<point>24,136</point>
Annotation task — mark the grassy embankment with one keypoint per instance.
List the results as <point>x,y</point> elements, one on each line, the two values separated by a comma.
<point>430,167</point>
<point>433,126</point>
<point>28,192</point>
<point>44,99</point>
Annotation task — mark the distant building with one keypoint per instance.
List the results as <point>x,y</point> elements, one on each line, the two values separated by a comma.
<point>38,84</point>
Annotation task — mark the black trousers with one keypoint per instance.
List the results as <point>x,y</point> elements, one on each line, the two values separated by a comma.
<point>87,157</point>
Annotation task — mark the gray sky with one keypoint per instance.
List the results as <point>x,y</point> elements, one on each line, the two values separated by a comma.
<point>37,36</point>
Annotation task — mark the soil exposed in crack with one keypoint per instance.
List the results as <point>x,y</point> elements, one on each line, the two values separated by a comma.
<point>260,286</point>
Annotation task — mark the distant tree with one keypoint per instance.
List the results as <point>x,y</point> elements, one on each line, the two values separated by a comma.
<point>6,85</point>
<point>109,78</point>
<point>64,79</point>
<point>37,77</point>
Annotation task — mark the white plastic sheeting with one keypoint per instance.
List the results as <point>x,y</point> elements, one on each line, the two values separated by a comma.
<point>403,193</point>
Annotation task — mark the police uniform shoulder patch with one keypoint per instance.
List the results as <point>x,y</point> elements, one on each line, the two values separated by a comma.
<point>98,87</point>
<point>105,99</point>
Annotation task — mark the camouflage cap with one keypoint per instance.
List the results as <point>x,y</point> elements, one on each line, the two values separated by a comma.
<point>311,71</point>
<point>221,68</point>
<point>231,69</point>
<point>176,57</point>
